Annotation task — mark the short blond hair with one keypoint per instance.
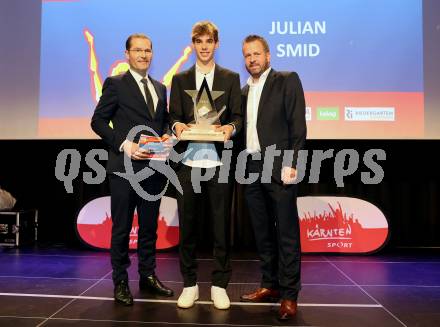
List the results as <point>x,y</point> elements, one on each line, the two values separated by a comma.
<point>204,28</point>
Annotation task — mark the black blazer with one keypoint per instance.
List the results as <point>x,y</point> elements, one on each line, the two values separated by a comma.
<point>281,116</point>
<point>182,106</point>
<point>123,104</point>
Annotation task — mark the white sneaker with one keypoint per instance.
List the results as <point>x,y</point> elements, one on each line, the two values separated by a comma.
<point>220,298</point>
<point>188,297</point>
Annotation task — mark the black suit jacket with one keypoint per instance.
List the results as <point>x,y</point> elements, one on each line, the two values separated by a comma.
<point>182,106</point>
<point>281,116</point>
<point>123,104</point>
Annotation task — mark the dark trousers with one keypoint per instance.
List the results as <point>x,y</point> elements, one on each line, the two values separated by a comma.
<point>124,200</point>
<point>219,197</point>
<point>274,217</point>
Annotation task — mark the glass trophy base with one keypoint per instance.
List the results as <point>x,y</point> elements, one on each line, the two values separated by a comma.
<point>202,133</point>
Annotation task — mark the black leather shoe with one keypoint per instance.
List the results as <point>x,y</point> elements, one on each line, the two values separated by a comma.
<point>155,286</point>
<point>122,293</point>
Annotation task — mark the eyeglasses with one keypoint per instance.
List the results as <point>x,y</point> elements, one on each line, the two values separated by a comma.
<point>140,51</point>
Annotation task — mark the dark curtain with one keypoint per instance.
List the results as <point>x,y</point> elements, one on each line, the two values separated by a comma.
<point>409,195</point>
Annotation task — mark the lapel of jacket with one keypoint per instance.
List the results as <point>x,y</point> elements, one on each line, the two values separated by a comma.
<point>244,99</point>
<point>160,99</point>
<point>190,84</point>
<point>191,77</point>
<point>218,85</point>
<point>136,92</point>
<point>245,93</point>
<point>265,93</point>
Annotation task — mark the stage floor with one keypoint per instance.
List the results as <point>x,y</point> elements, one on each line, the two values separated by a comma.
<point>59,287</point>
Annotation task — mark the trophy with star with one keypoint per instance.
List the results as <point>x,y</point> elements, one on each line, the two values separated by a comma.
<point>206,117</point>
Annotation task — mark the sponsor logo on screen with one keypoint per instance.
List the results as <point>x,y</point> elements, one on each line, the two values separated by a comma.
<point>308,113</point>
<point>327,113</point>
<point>369,114</point>
<point>341,225</point>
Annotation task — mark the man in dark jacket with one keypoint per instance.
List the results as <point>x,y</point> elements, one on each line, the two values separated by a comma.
<point>129,100</point>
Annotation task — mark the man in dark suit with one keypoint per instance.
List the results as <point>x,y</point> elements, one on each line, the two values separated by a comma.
<point>129,100</point>
<point>204,159</point>
<point>275,116</point>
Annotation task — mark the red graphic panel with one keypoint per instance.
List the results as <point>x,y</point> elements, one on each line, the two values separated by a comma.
<point>328,224</point>
<point>94,224</point>
<point>340,225</point>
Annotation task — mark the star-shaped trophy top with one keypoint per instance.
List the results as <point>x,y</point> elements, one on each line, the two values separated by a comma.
<point>204,107</point>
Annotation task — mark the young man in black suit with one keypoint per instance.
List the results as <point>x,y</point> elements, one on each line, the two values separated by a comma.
<point>274,110</point>
<point>205,159</point>
<point>129,100</point>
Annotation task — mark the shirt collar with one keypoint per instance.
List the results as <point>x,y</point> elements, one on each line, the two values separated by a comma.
<point>262,78</point>
<point>138,77</point>
<point>199,70</point>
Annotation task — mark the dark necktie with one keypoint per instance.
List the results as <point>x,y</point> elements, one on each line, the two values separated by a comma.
<point>149,98</point>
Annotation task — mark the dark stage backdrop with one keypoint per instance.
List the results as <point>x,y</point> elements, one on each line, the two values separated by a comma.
<point>409,195</point>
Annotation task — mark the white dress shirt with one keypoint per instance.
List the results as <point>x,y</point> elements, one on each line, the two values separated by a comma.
<point>202,155</point>
<point>253,100</point>
<point>138,77</point>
